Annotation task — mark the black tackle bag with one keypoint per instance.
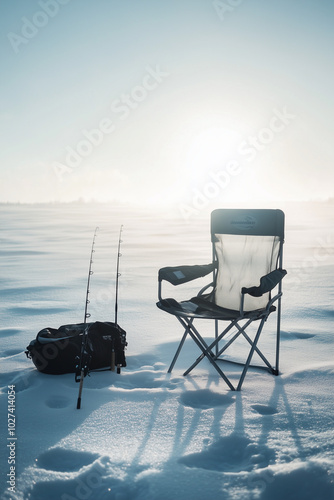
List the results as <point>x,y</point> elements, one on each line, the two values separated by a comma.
<point>56,351</point>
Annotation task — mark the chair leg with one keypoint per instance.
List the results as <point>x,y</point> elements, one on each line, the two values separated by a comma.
<point>210,347</point>
<point>186,331</point>
<point>216,336</point>
<point>236,335</point>
<point>250,355</point>
<point>206,352</point>
<point>257,350</point>
<point>278,336</point>
<point>241,330</point>
<point>177,352</point>
<point>211,359</point>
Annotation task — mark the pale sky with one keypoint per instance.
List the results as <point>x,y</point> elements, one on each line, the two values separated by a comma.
<point>174,101</point>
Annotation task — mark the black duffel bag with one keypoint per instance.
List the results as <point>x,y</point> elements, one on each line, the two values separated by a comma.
<point>57,351</point>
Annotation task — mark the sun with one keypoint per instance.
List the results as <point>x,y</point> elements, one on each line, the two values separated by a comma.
<point>210,150</point>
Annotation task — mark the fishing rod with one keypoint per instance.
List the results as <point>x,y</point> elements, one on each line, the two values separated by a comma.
<point>118,274</point>
<point>83,362</point>
<point>98,346</point>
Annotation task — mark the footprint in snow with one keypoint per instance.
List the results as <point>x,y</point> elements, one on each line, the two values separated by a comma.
<point>9,332</point>
<point>205,399</point>
<point>300,335</point>
<point>58,402</point>
<point>264,410</point>
<point>231,454</point>
<point>296,335</point>
<point>61,460</point>
<point>146,378</point>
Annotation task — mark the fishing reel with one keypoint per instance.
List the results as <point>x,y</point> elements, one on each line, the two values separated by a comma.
<point>82,364</point>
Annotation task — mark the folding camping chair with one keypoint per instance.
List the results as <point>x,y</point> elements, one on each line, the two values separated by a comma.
<point>247,256</point>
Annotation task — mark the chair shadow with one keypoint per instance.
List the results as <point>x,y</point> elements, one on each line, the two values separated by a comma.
<point>246,453</point>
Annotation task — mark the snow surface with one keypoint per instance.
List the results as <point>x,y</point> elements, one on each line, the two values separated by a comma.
<point>145,434</point>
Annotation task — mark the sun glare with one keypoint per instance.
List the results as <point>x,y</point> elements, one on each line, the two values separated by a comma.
<point>209,151</point>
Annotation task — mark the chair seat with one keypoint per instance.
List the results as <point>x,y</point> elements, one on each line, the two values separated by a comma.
<point>202,308</point>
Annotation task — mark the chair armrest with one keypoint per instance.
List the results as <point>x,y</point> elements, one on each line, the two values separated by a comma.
<point>267,283</point>
<point>182,274</point>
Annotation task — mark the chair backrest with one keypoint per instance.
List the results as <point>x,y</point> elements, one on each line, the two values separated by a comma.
<point>247,245</point>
